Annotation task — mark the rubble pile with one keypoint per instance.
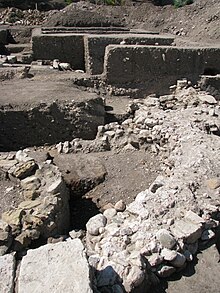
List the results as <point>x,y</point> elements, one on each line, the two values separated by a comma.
<point>147,127</point>
<point>16,16</point>
<point>129,247</point>
<point>159,232</point>
<point>44,211</point>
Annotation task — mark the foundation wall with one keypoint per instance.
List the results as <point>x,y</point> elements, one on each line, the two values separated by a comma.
<point>65,47</point>
<point>95,47</point>
<point>157,67</point>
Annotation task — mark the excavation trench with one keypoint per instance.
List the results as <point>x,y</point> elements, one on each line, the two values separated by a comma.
<point>49,123</point>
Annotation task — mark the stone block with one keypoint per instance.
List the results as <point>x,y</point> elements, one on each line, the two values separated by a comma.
<point>165,238</point>
<point>60,267</point>
<point>7,271</point>
<point>187,231</point>
<point>194,218</point>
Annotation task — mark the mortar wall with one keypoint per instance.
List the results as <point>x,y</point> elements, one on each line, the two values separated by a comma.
<point>95,47</point>
<point>66,48</point>
<point>157,67</point>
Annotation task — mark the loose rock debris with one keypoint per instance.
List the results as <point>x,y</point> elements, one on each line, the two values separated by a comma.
<point>159,232</point>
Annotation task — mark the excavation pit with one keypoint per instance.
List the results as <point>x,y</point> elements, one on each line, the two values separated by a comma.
<point>46,111</point>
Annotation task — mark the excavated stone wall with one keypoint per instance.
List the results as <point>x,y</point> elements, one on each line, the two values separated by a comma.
<point>65,47</point>
<point>95,46</point>
<point>156,68</point>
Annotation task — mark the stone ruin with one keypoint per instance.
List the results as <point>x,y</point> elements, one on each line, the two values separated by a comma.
<point>128,247</point>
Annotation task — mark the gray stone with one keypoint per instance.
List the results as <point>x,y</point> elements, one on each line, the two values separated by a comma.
<point>106,277</point>
<point>207,235</point>
<point>159,182</point>
<point>188,231</point>
<point>155,259</point>
<point>95,223</point>
<point>207,99</point>
<point>120,206</point>
<point>179,261</point>
<point>165,238</point>
<point>194,218</point>
<point>168,254</point>
<point>138,208</point>
<point>76,234</point>
<point>60,267</point>
<point>7,271</point>
<point>31,182</point>
<point>166,271</point>
<point>134,279</point>
<point>66,147</point>
<point>22,156</point>
<point>110,213</point>
<point>56,186</point>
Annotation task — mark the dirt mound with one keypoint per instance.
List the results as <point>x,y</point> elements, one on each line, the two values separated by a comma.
<point>31,4</point>
<point>84,14</point>
<point>199,21</point>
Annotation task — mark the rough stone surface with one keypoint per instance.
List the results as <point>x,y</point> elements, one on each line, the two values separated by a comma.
<point>179,261</point>
<point>60,267</point>
<point>187,230</point>
<point>179,205</point>
<point>120,206</point>
<point>95,223</point>
<point>7,273</point>
<point>44,212</point>
<point>166,239</point>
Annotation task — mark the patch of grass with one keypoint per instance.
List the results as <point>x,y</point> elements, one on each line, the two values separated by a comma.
<point>69,1</point>
<point>181,3</point>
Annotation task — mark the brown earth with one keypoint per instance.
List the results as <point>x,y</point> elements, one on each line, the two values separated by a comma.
<point>198,22</point>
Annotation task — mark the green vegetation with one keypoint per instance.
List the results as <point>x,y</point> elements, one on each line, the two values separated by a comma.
<point>181,3</point>
<point>113,2</point>
<point>69,1</point>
